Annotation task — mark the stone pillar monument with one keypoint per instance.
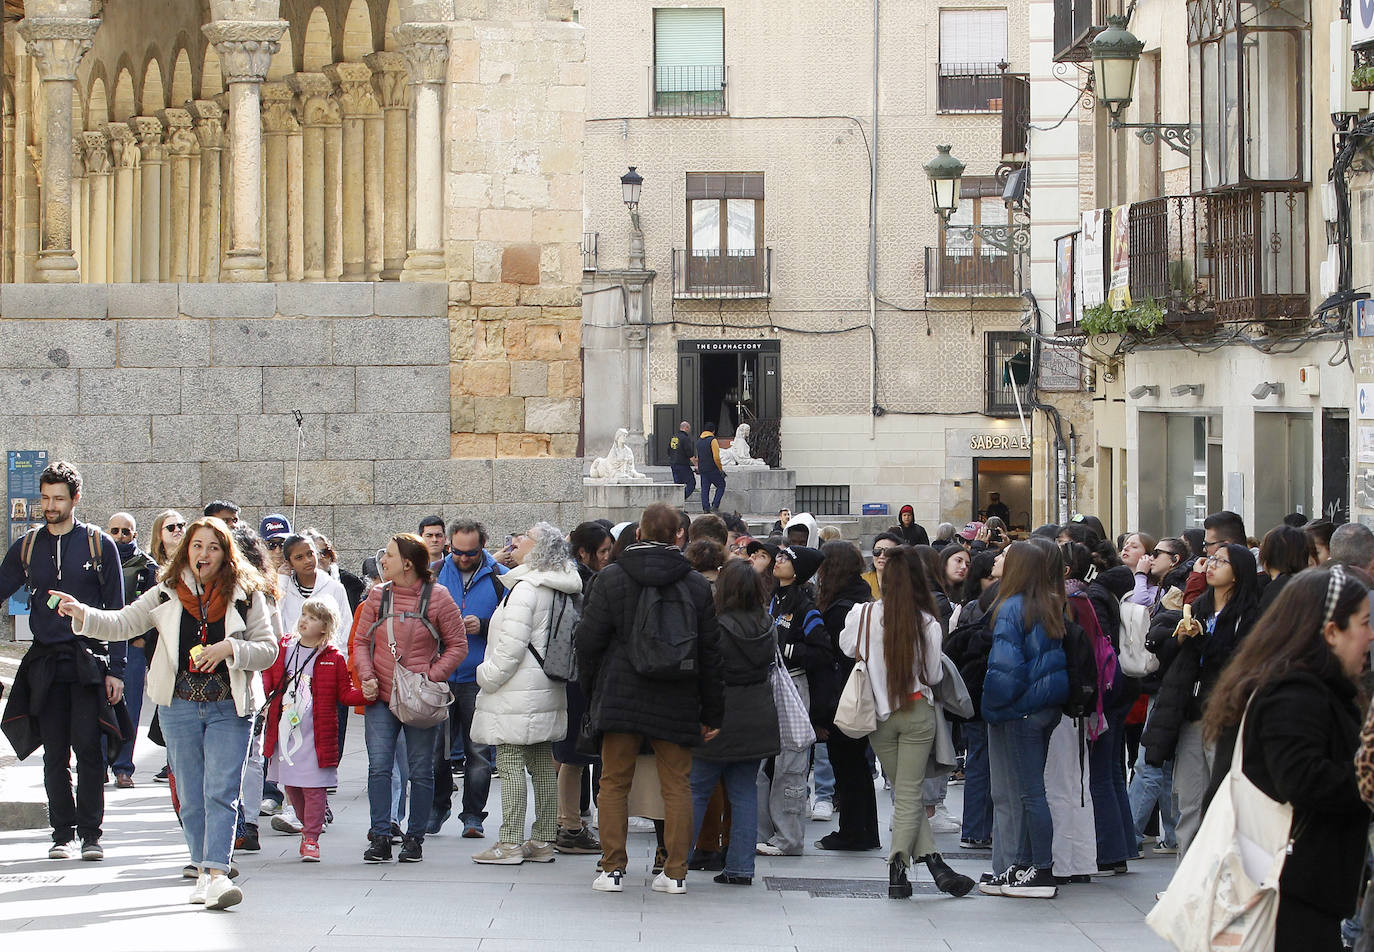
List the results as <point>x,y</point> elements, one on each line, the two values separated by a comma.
<point>388,80</point>
<point>425,47</point>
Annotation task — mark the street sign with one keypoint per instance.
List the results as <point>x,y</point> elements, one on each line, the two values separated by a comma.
<point>1364,401</point>
<point>25,466</point>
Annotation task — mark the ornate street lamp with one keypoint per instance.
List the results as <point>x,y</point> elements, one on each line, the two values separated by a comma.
<point>1116,55</point>
<point>630,185</point>
<point>945,173</point>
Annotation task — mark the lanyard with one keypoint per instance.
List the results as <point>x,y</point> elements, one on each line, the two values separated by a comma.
<point>293,680</point>
<point>204,611</point>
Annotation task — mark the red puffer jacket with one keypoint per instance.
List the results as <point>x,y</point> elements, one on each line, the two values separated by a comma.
<point>330,686</point>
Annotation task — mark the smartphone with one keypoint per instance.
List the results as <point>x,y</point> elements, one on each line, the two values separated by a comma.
<point>510,543</point>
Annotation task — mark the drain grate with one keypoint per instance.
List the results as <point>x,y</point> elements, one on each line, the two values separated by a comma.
<point>29,879</point>
<point>840,888</point>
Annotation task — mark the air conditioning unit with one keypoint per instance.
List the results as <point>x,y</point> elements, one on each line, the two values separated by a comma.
<point>1343,98</point>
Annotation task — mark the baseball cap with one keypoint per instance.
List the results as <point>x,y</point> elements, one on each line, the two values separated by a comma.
<point>274,526</point>
<point>756,546</point>
<point>970,531</point>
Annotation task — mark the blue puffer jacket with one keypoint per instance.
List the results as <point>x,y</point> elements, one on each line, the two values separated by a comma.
<point>1027,670</point>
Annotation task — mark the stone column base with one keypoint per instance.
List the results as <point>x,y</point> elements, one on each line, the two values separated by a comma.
<point>243,266</point>
<point>58,266</point>
<point>422,265</point>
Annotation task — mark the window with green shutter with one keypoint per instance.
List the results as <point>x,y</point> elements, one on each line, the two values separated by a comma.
<point>688,73</point>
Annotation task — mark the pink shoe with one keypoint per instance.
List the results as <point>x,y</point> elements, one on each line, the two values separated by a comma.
<point>310,850</point>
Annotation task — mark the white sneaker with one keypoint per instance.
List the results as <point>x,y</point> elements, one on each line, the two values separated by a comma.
<point>221,893</point>
<point>269,807</point>
<point>609,882</point>
<point>823,811</point>
<point>538,851</point>
<point>942,822</point>
<point>639,824</point>
<point>286,823</point>
<point>198,894</point>
<point>69,850</point>
<point>502,854</point>
<point>664,884</point>
<point>767,849</point>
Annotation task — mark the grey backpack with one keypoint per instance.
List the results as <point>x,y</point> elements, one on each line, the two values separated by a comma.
<point>559,660</point>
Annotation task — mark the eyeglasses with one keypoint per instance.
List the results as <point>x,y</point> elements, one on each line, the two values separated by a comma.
<point>173,526</point>
<point>783,557</point>
<point>1217,560</point>
<point>1209,546</point>
<point>122,532</point>
<point>883,551</point>
<point>739,547</point>
<point>274,544</point>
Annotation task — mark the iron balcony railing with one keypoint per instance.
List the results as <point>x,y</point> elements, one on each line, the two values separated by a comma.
<point>1006,366</point>
<point>970,87</point>
<point>973,273</point>
<point>1076,22</point>
<point>1238,254</point>
<point>745,273</point>
<point>1015,112</point>
<point>590,240</point>
<point>688,90</point>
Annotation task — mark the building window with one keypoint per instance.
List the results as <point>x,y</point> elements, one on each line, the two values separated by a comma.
<point>969,264</point>
<point>972,44</point>
<point>1249,79</point>
<point>823,500</point>
<point>1008,372</point>
<point>725,232</point>
<point>688,74</point>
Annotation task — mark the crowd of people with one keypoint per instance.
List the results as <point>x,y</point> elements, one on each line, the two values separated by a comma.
<point>1086,691</point>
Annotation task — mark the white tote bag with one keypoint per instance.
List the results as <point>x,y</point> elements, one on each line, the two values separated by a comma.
<point>1225,894</point>
<point>857,714</point>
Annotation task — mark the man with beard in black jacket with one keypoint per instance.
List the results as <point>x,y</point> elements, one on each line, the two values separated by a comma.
<point>630,708</point>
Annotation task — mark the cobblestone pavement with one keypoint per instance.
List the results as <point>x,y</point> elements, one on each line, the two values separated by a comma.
<point>136,899</point>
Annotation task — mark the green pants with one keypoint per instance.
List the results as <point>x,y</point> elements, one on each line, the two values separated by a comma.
<point>512,761</point>
<point>903,743</point>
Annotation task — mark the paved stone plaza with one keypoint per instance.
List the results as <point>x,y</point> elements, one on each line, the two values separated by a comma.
<point>136,899</point>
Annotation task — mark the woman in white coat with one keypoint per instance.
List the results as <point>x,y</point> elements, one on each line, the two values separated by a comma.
<point>518,708</point>
<point>214,636</point>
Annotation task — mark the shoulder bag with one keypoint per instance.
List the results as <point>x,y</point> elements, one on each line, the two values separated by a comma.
<point>415,699</point>
<point>794,720</point>
<point>857,714</point>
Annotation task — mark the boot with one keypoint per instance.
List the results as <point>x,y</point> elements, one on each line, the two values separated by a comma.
<point>898,886</point>
<point>946,879</point>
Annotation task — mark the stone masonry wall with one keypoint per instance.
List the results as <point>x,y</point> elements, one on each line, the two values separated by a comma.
<point>172,395</point>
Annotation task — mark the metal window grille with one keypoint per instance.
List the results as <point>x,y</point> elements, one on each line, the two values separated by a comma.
<point>823,500</point>
<point>1004,350</point>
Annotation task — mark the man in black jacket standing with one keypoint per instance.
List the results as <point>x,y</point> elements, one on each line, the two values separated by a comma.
<point>630,708</point>
<point>67,680</point>
<point>680,459</point>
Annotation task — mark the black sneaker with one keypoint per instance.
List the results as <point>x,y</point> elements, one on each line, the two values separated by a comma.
<point>946,879</point>
<point>710,860</point>
<point>249,841</point>
<point>91,850</point>
<point>580,842</point>
<point>397,835</point>
<point>379,851</point>
<point>660,860</point>
<point>1031,883</point>
<point>992,884</point>
<point>161,775</point>
<point>412,850</point>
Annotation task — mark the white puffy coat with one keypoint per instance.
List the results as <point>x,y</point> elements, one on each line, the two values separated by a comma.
<point>517,703</point>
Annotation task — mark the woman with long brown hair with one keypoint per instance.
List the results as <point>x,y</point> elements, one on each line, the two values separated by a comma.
<point>214,637</point>
<point>903,662</point>
<point>1026,686</point>
<point>169,526</point>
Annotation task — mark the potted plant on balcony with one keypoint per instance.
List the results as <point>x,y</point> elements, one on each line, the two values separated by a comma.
<point>1362,78</point>
<point>1141,318</point>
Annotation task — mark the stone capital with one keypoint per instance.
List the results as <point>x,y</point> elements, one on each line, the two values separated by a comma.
<point>209,122</point>
<point>245,48</point>
<point>123,145</point>
<point>57,44</point>
<point>278,109</point>
<point>149,131</point>
<point>425,47</point>
<point>181,141</point>
<point>96,146</point>
<point>355,96</point>
<point>388,78</point>
<point>317,104</point>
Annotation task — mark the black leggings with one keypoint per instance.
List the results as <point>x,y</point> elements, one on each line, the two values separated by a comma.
<point>854,788</point>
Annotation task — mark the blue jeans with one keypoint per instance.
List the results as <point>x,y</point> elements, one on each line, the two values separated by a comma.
<point>684,476</point>
<point>476,757</point>
<point>381,730</point>
<point>824,774</point>
<point>206,747</point>
<point>716,479</point>
<point>977,783</point>
<point>1107,784</point>
<point>1151,786</point>
<point>1017,751</point>
<point>741,789</point>
<point>135,674</point>
<point>400,778</point>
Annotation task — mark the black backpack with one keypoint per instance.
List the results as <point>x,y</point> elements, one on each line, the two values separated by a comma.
<point>663,638</point>
<point>1082,665</point>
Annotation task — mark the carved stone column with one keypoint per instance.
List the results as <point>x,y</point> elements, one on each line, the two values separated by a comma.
<point>97,154</point>
<point>316,108</point>
<point>149,132</point>
<point>57,45</point>
<point>124,152</point>
<point>209,120</point>
<point>245,53</point>
<point>388,81</point>
<point>333,192</point>
<point>357,106</point>
<point>181,143</point>
<point>278,119</point>
<point>81,245</point>
<point>425,47</point>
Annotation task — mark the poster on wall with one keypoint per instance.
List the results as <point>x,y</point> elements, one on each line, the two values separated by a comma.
<point>1090,254</point>
<point>25,466</point>
<point>1064,298</point>
<point>1365,448</point>
<point>1119,291</point>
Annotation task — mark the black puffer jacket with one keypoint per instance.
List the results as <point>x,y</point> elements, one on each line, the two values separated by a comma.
<point>748,645</point>
<point>622,700</point>
<point>968,646</point>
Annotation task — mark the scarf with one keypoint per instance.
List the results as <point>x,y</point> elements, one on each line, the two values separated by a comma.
<point>215,599</point>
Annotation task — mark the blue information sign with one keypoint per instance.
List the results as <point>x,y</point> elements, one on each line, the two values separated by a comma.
<point>25,466</point>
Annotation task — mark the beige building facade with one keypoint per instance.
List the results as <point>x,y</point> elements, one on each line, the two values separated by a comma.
<point>762,131</point>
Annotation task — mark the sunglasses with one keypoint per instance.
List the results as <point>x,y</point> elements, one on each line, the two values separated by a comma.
<point>173,526</point>
<point>121,532</point>
<point>274,544</point>
<point>467,553</point>
<point>883,551</point>
<point>1158,552</point>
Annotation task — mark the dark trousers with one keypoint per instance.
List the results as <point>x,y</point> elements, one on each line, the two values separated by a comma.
<point>478,757</point>
<point>684,476</point>
<point>709,479</point>
<point>66,704</point>
<point>854,788</point>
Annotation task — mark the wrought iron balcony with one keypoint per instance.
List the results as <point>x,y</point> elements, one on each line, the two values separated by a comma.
<point>745,273</point>
<point>590,241</point>
<point>970,87</point>
<point>688,90</point>
<point>973,273</point>
<point>1237,254</point>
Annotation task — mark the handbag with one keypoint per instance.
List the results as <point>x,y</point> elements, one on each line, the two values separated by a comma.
<point>1225,893</point>
<point>857,714</point>
<point>415,699</point>
<point>588,740</point>
<point>794,720</point>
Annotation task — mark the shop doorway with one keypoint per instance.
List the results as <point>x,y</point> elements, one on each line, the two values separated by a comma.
<point>728,383</point>
<point>1011,480</point>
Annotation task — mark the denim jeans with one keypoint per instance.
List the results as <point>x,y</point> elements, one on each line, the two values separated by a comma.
<point>708,480</point>
<point>683,476</point>
<point>135,675</point>
<point>977,783</point>
<point>1150,787</point>
<point>254,770</point>
<point>477,760</point>
<point>783,798</point>
<point>1107,782</point>
<point>1021,812</point>
<point>206,747</point>
<point>1192,773</point>
<point>741,788</point>
<point>400,777</point>
<point>823,773</point>
<point>382,730</point>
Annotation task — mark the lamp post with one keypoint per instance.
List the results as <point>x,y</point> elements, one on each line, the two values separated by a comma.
<point>946,173</point>
<point>630,184</point>
<point>1116,55</point>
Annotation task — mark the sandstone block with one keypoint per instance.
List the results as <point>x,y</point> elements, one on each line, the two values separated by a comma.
<point>129,391</point>
<point>505,225</point>
<point>462,412</point>
<point>545,339</point>
<point>40,392</point>
<point>500,414</point>
<point>142,300</point>
<point>460,292</point>
<point>227,300</point>
<point>308,389</point>
<point>281,342</point>
<point>470,188</point>
<point>54,301</point>
<point>409,298</point>
<point>221,389</point>
<point>56,343</point>
<point>332,483</point>
<point>506,295</point>
<point>392,340</point>
<point>162,485</point>
<point>522,445</point>
<point>326,299</point>
<point>564,444</point>
<point>248,484</point>
<point>490,340</point>
<point>565,378</point>
<point>486,262</point>
<point>526,191</point>
<point>195,436</point>
<point>486,378</point>
<point>472,445</point>
<point>553,415</point>
<point>162,343</point>
<point>556,295</point>
<point>422,389</point>
<point>272,436</point>
<point>567,98</point>
<point>529,378</point>
<point>387,435</point>
<point>548,226</point>
<point>520,264</point>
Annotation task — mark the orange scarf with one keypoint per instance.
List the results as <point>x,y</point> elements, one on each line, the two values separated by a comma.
<point>215,599</point>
